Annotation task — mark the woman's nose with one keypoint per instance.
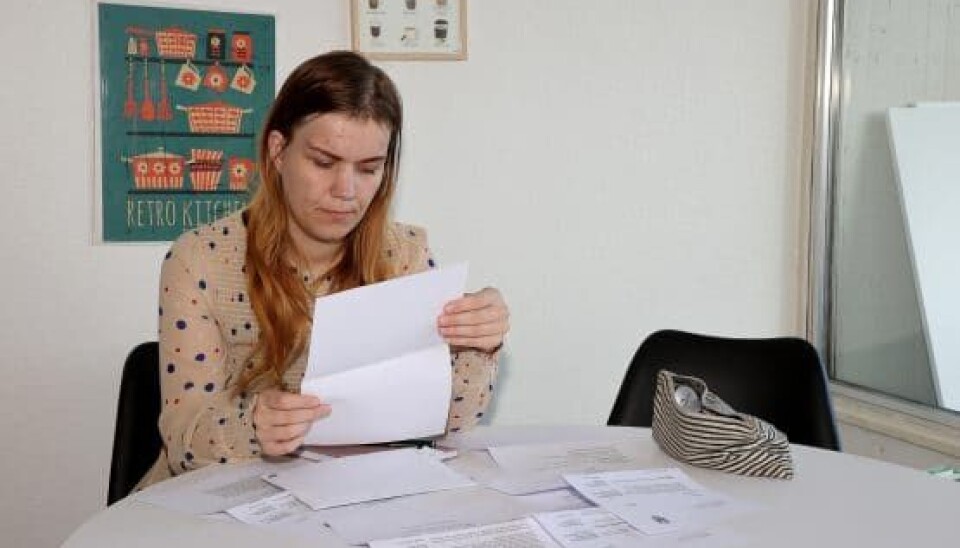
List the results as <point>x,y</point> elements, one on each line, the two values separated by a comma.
<point>344,184</point>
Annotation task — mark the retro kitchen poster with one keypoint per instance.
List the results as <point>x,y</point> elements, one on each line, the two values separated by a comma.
<point>183,94</point>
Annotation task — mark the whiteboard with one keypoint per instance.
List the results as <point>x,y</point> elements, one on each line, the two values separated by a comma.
<point>925,141</point>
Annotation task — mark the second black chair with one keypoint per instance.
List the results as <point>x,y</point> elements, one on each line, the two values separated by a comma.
<point>780,380</point>
<point>136,439</point>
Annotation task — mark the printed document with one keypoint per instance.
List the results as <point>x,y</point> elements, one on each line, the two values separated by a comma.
<point>521,533</point>
<point>217,487</point>
<point>377,358</point>
<point>597,528</point>
<point>422,514</point>
<point>287,515</point>
<point>535,468</point>
<point>656,501</point>
<point>371,476</point>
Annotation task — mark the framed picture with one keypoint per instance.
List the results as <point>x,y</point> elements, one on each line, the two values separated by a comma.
<point>182,94</point>
<point>410,29</point>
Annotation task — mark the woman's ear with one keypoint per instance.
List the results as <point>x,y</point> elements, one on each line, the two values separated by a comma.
<point>275,144</point>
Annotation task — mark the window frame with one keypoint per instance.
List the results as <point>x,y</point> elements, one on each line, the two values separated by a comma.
<point>924,426</point>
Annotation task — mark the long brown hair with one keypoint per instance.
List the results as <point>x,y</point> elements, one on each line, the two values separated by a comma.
<point>345,83</point>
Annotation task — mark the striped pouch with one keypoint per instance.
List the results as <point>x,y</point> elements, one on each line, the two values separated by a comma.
<point>694,426</point>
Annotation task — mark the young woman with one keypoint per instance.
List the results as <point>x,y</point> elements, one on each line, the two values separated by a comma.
<point>236,296</point>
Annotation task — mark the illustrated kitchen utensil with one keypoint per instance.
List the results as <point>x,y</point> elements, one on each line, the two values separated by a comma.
<point>188,77</point>
<point>130,105</point>
<point>147,110</point>
<point>164,112</point>
<point>216,78</point>
<point>243,80</point>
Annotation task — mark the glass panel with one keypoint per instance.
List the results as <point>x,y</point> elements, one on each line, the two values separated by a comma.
<point>893,53</point>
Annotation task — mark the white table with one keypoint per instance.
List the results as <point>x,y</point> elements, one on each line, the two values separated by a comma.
<point>834,500</point>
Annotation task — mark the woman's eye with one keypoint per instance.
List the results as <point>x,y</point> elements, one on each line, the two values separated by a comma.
<point>370,170</point>
<point>321,163</point>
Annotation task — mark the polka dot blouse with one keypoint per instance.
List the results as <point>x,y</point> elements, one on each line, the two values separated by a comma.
<point>207,330</point>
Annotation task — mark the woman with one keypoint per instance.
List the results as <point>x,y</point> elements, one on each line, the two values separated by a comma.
<point>236,296</point>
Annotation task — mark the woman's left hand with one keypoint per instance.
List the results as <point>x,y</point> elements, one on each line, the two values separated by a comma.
<point>475,321</point>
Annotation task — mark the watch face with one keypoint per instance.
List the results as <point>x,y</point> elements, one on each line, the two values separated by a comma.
<point>687,398</point>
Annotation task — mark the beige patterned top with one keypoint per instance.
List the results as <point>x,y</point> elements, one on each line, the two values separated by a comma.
<point>207,330</point>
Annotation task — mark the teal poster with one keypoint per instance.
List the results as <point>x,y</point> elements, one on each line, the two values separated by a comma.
<point>183,94</point>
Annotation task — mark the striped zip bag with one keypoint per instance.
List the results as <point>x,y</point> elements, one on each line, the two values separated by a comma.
<point>694,426</point>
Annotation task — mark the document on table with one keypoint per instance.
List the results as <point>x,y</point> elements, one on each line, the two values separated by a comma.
<point>423,514</point>
<point>521,533</point>
<point>377,358</point>
<point>371,476</point>
<point>534,468</point>
<point>285,514</point>
<point>217,487</point>
<point>278,508</point>
<point>656,501</point>
<point>597,528</point>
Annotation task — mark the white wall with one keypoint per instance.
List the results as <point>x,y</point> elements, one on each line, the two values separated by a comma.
<point>614,167</point>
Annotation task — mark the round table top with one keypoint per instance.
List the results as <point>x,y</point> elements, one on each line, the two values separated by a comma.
<point>835,499</point>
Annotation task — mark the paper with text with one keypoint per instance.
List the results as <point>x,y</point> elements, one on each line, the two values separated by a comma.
<point>533,468</point>
<point>372,476</point>
<point>377,358</point>
<point>656,501</point>
<point>285,514</point>
<point>521,533</point>
<point>217,487</point>
<point>598,528</point>
<point>423,514</point>
<point>279,508</point>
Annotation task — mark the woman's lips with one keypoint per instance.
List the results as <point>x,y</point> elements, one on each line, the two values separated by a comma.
<point>338,215</point>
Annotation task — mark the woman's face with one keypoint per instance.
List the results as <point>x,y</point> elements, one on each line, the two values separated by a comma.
<point>330,171</point>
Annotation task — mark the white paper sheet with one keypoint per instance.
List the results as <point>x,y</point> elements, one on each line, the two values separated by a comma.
<point>217,487</point>
<point>523,533</point>
<point>377,357</point>
<point>270,510</point>
<point>562,456</point>
<point>423,514</point>
<point>373,323</point>
<point>597,528</point>
<point>656,501</point>
<point>480,466</point>
<point>367,477</point>
<point>535,468</point>
<point>553,501</point>
<point>285,514</point>
<point>395,399</point>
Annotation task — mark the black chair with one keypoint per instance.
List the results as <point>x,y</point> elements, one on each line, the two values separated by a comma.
<point>136,439</point>
<point>780,380</point>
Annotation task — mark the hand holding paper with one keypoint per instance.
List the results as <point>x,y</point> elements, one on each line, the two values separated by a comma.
<point>476,321</point>
<point>283,419</point>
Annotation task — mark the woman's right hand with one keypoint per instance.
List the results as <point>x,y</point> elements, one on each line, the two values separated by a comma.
<point>282,419</point>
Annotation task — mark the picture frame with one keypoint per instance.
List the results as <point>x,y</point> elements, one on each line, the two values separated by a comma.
<point>181,95</point>
<point>409,29</point>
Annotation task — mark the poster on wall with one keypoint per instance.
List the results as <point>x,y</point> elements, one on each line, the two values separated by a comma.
<point>182,96</point>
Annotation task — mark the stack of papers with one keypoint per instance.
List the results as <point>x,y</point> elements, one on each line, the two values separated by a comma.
<point>409,497</point>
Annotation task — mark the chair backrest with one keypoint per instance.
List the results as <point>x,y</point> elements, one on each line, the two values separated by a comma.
<point>780,380</point>
<point>136,438</point>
